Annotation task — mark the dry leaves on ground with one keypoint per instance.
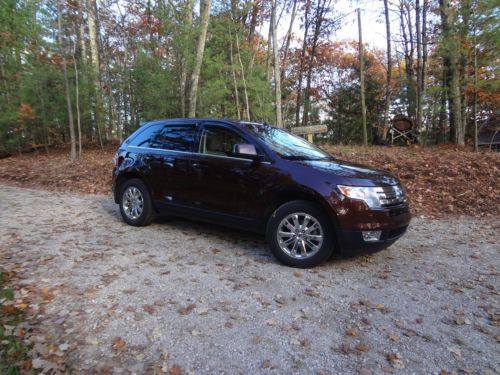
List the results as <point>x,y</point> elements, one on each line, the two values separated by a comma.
<point>440,180</point>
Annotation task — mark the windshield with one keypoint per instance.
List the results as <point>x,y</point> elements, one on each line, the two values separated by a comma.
<point>287,145</point>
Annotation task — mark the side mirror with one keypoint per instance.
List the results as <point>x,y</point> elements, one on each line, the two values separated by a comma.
<point>246,150</point>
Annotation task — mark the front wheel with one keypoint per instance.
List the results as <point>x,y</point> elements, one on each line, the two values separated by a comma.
<point>300,234</point>
<point>136,206</point>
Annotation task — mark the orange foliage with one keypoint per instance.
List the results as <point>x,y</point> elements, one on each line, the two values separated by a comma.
<point>25,116</point>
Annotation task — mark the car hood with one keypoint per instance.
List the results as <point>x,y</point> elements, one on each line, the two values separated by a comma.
<point>353,174</point>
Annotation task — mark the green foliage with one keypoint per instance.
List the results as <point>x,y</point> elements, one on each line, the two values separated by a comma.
<point>12,350</point>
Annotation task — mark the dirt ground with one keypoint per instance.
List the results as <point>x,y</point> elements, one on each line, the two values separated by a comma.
<point>182,297</point>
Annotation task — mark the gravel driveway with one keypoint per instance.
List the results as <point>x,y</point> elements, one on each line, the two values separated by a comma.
<point>182,297</point>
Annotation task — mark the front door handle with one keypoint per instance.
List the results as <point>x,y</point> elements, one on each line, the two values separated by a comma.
<point>198,166</point>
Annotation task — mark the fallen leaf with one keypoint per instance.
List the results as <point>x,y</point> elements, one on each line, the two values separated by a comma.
<point>175,370</point>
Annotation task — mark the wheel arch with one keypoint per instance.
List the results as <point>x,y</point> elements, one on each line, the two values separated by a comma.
<point>125,176</point>
<point>288,195</point>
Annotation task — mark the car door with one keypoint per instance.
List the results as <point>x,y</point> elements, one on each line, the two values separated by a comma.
<point>167,161</point>
<point>225,184</point>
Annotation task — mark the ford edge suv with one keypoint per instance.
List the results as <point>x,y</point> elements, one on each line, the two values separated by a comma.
<point>260,178</point>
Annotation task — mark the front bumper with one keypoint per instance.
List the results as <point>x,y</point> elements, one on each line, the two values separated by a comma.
<point>352,243</point>
<point>357,218</point>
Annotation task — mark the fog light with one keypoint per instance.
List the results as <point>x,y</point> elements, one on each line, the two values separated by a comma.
<point>372,235</point>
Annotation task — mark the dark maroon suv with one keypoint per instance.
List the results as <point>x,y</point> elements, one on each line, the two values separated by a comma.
<point>260,178</point>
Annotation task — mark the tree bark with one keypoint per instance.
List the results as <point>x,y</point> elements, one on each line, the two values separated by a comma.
<point>362,80</point>
<point>389,72</point>
<point>200,49</point>
<point>72,154</point>
<point>96,73</point>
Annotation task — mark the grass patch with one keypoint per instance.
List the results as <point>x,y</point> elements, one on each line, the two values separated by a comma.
<point>13,351</point>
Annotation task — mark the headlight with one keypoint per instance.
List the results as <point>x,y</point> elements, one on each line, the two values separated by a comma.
<point>374,197</point>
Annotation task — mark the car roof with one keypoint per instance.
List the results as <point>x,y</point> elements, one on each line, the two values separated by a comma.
<point>204,119</point>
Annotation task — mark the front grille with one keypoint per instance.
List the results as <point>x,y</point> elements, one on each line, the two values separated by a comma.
<point>391,195</point>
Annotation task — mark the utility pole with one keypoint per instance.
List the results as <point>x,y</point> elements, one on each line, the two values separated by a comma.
<point>362,80</point>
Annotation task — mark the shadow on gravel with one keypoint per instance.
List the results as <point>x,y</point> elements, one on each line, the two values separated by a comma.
<point>253,244</point>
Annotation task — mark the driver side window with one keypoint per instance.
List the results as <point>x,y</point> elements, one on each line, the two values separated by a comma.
<point>219,141</point>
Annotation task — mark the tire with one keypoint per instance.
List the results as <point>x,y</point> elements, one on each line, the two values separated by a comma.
<point>132,193</point>
<point>315,232</point>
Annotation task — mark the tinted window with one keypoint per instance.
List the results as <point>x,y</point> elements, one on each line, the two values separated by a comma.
<point>219,141</point>
<point>144,138</point>
<point>175,137</point>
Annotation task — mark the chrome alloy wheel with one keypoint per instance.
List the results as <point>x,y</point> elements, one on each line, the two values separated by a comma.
<point>132,203</point>
<point>300,235</point>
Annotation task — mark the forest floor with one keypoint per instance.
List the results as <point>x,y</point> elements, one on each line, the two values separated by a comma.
<point>179,297</point>
<point>440,180</point>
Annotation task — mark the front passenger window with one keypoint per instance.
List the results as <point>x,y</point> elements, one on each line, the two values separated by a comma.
<point>219,141</point>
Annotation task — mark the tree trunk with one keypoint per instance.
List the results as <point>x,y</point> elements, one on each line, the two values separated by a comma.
<point>195,76</point>
<point>301,64</point>
<point>474,107</point>
<point>419,65</point>
<point>77,94</point>
<point>72,154</point>
<point>276,61</point>
<point>245,91</point>
<point>451,68</point>
<point>320,16</point>
<point>235,84</point>
<point>81,30</point>
<point>425,41</point>
<point>96,73</point>
<point>389,72</point>
<point>362,80</point>
<point>188,23</point>
<point>288,37</point>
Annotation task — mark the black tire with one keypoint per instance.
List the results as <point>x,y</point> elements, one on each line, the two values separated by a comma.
<point>148,213</point>
<point>299,206</point>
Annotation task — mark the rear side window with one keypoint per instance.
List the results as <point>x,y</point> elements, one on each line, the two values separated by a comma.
<point>176,138</point>
<point>146,137</point>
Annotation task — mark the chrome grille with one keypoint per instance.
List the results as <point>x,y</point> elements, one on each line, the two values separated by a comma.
<point>391,195</point>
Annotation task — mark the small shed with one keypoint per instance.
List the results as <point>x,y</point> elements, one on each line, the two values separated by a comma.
<point>309,131</point>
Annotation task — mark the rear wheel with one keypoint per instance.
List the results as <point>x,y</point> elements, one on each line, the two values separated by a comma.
<point>136,206</point>
<point>300,234</point>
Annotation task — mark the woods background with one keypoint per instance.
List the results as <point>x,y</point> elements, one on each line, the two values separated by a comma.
<point>82,71</point>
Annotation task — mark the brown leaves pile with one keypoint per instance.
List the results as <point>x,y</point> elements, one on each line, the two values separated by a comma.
<point>441,180</point>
